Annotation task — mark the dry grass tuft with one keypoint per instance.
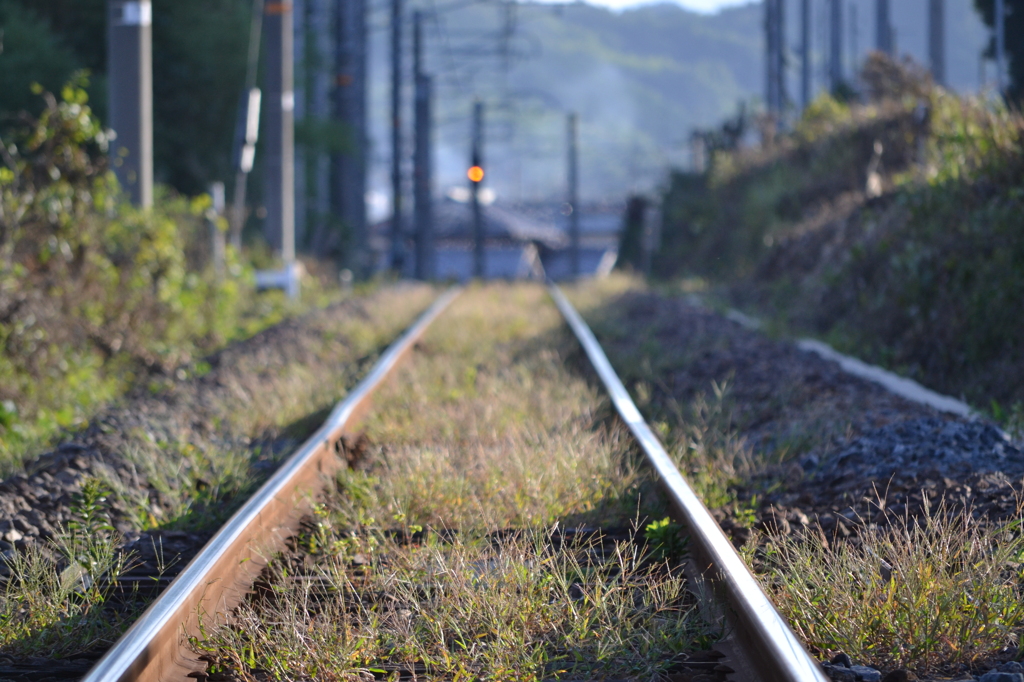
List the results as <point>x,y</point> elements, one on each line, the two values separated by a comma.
<point>472,609</point>
<point>925,594</point>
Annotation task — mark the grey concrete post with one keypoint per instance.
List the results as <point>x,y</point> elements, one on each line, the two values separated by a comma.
<point>1000,30</point>
<point>348,168</point>
<point>573,198</point>
<point>835,61</point>
<point>397,231</point>
<point>883,27</point>
<point>130,74</point>
<point>937,40</point>
<point>805,52</point>
<point>279,130</point>
<point>422,159</point>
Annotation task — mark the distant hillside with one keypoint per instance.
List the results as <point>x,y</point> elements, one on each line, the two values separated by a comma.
<point>641,79</point>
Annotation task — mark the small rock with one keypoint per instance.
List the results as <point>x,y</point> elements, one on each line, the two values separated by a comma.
<point>866,673</point>
<point>997,676</point>
<point>838,673</point>
<point>13,536</point>
<point>1011,667</point>
<point>842,659</point>
<point>899,675</point>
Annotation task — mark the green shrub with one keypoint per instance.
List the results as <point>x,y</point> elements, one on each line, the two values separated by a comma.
<point>92,290</point>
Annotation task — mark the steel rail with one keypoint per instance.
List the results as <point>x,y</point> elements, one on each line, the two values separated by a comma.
<point>769,644</point>
<point>220,576</point>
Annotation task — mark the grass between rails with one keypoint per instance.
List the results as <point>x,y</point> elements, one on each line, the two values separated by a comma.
<point>261,410</point>
<point>413,568</point>
<point>55,595</point>
<point>700,436</point>
<point>937,594</point>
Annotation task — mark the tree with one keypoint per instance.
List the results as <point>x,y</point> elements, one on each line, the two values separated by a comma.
<point>1014,40</point>
<point>199,54</point>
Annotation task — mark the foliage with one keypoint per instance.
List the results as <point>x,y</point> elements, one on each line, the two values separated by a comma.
<point>932,276</point>
<point>1014,36</point>
<point>941,590</point>
<point>92,291</point>
<point>921,277</point>
<point>29,53</point>
<point>722,224</point>
<point>199,53</point>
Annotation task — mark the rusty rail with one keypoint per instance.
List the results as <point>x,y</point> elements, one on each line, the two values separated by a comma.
<point>219,577</point>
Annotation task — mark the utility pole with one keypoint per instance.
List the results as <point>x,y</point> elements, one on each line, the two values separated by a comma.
<point>1000,28</point>
<point>835,61</point>
<point>248,129</point>
<point>937,40</point>
<point>348,169</point>
<point>771,76</point>
<point>397,233</point>
<point>805,53</point>
<point>774,22</point>
<point>279,228</point>
<point>574,182</point>
<point>422,158</point>
<point>883,28</point>
<point>476,176</point>
<point>130,74</point>
<point>312,104</point>
<point>854,39</point>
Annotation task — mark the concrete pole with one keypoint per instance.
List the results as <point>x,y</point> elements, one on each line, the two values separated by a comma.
<point>937,40</point>
<point>130,74</point>
<point>774,22</point>
<point>422,159</point>
<point>301,25</point>
<point>1000,30</point>
<point>574,209</point>
<point>769,56</point>
<point>348,170</point>
<point>883,27</point>
<point>835,61</point>
<point>397,231</point>
<point>780,53</point>
<point>854,41</point>
<point>805,52</point>
<point>477,161</point>
<point>279,136</point>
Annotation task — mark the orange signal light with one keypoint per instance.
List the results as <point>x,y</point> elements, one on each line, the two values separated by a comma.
<point>475,173</point>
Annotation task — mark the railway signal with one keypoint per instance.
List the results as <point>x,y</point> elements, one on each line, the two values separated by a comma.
<point>130,74</point>
<point>476,176</point>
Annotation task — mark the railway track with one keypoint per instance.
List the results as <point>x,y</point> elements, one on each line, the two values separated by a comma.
<point>757,644</point>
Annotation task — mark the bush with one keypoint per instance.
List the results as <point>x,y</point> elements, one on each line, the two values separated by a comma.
<point>92,290</point>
